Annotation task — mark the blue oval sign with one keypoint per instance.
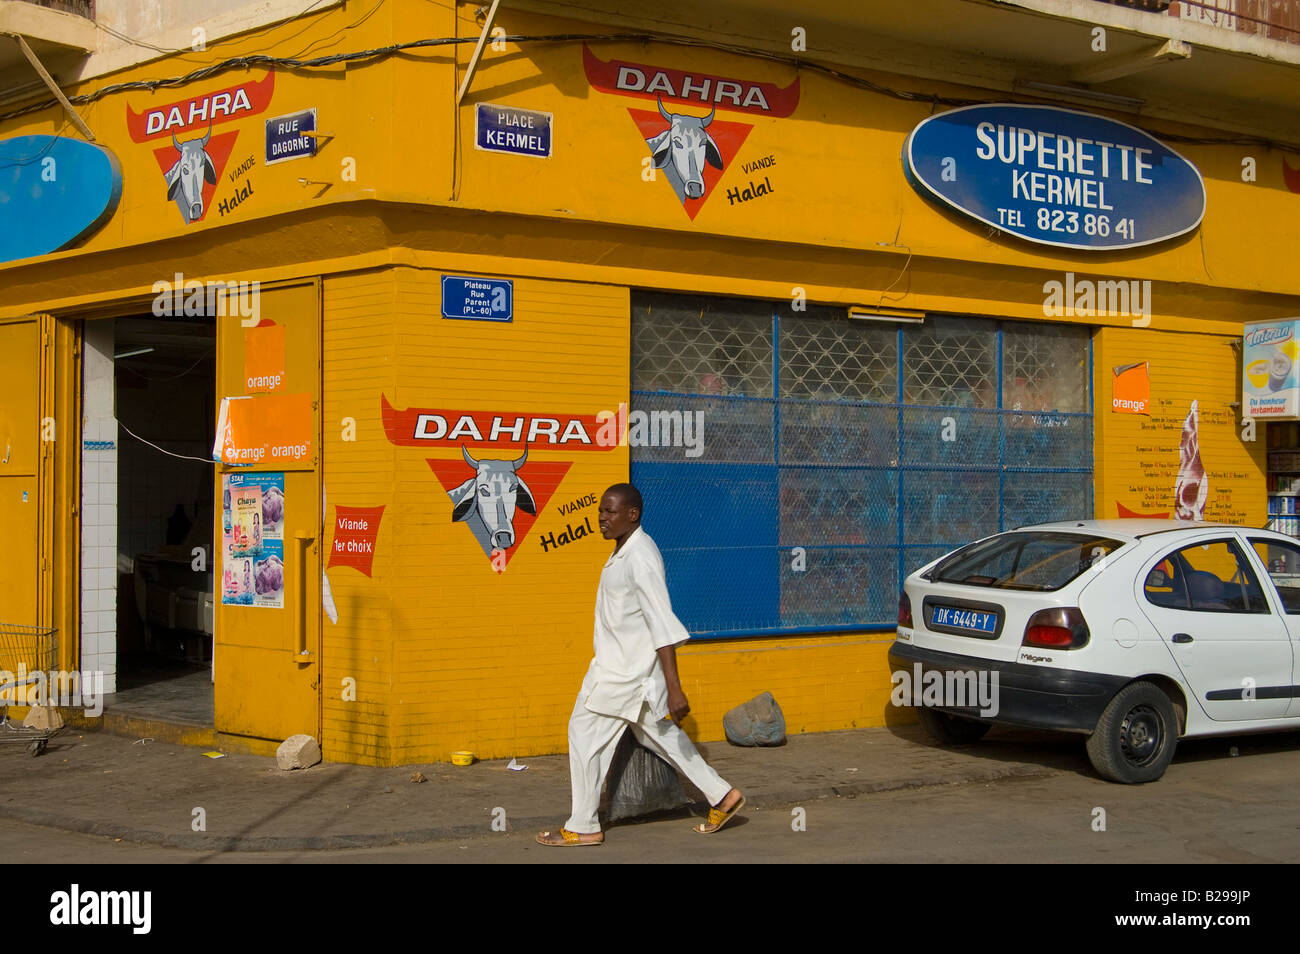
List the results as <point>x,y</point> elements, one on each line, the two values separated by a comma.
<point>1055,176</point>
<point>53,192</point>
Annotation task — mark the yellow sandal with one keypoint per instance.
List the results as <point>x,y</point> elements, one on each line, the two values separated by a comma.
<point>718,817</point>
<point>571,839</point>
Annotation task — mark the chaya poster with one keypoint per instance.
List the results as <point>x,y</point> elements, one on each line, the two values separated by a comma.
<point>252,539</point>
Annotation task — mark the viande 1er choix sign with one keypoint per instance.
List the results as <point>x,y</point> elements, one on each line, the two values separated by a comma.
<point>1055,176</point>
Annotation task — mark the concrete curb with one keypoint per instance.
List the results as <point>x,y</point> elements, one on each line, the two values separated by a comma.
<point>206,841</point>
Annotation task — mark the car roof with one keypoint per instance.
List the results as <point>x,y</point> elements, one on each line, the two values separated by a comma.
<point>1132,527</point>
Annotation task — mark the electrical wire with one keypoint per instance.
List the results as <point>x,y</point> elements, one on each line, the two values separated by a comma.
<point>183,51</point>
<point>262,60</point>
<point>171,377</point>
<point>351,26</point>
<point>44,150</point>
<point>201,460</point>
<point>270,62</point>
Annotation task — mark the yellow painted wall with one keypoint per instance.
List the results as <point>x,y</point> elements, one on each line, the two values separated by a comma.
<point>445,653</point>
<point>1137,456</point>
<point>448,654</point>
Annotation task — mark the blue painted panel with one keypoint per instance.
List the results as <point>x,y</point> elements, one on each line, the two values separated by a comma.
<point>716,525</point>
<point>53,193</point>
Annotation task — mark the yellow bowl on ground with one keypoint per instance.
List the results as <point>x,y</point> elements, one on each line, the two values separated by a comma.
<point>462,758</point>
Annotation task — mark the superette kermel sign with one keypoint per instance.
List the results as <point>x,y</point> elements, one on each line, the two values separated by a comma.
<point>1055,176</point>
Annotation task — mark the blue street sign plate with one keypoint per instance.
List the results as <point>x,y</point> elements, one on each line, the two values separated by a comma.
<point>1055,176</point>
<point>524,132</point>
<point>285,137</point>
<point>478,299</point>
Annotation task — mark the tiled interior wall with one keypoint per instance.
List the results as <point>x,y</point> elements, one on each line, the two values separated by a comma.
<point>99,507</point>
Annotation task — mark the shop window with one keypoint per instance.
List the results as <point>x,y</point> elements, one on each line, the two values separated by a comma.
<point>838,455</point>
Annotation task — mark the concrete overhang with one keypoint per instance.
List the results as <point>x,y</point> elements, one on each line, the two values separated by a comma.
<point>1171,68</point>
<point>61,41</point>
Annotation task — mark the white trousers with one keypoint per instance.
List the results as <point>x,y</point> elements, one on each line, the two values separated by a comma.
<point>593,737</point>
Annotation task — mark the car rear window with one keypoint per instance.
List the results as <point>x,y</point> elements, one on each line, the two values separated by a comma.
<point>1038,560</point>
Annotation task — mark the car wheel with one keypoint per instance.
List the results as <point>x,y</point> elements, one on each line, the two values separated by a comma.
<point>1136,735</point>
<point>951,730</point>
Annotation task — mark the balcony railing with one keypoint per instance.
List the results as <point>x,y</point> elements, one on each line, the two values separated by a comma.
<point>1273,19</point>
<point>80,8</point>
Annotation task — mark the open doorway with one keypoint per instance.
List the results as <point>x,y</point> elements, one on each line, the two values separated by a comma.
<point>163,381</point>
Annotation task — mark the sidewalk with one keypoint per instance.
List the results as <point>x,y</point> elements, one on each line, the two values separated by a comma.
<point>147,792</point>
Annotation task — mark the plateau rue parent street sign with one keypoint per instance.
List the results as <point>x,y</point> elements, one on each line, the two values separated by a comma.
<point>1055,176</point>
<point>478,299</point>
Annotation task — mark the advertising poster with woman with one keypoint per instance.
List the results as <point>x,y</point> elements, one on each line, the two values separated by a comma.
<point>253,540</point>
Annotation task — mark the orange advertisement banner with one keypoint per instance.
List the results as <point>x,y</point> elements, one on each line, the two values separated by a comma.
<point>1131,393</point>
<point>265,429</point>
<point>264,357</point>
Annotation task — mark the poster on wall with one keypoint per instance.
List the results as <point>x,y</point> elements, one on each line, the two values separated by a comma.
<point>264,429</point>
<point>1131,389</point>
<point>1269,381</point>
<point>252,538</point>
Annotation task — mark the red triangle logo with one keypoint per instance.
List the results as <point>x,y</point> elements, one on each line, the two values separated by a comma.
<point>729,137</point>
<point>218,149</point>
<point>542,477</point>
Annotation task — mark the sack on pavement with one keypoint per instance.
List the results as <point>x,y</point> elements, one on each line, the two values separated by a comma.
<point>640,782</point>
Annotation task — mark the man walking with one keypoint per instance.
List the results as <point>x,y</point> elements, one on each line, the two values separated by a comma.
<point>632,681</point>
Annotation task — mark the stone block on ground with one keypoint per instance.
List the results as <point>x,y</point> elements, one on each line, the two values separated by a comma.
<point>297,751</point>
<point>640,782</point>
<point>756,722</point>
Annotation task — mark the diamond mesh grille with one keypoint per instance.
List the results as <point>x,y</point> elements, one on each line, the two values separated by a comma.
<point>951,363</point>
<point>1044,368</point>
<point>696,345</point>
<point>833,358</point>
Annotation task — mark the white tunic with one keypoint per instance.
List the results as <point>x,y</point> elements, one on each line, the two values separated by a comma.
<point>634,618</point>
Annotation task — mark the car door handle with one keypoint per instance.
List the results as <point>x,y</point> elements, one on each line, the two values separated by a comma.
<point>1182,638</point>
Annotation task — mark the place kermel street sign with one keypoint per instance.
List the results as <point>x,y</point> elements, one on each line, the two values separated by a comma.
<point>1055,176</point>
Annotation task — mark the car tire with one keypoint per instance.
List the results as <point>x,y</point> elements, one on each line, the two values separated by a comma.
<point>951,730</point>
<point>1136,735</point>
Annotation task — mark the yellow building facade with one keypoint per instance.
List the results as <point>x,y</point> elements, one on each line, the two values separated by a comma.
<point>397,625</point>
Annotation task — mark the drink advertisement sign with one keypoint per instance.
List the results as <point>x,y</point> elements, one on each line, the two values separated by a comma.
<point>1270,386</point>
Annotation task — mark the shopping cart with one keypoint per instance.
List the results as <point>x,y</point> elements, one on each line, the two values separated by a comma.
<point>25,652</point>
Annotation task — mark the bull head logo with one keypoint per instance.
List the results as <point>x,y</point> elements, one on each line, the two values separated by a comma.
<point>683,149</point>
<point>188,173</point>
<point>487,501</point>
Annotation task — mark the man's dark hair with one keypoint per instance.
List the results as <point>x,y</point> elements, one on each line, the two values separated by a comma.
<point>630,496</point>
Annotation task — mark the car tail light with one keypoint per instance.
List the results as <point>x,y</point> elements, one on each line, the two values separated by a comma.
<point>904,610</point>
<point>1057,628</point>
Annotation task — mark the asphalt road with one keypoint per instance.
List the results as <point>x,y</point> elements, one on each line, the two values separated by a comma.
<point>1210,807</point>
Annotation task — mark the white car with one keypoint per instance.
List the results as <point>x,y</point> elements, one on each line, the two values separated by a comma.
<point>1133,632</point>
